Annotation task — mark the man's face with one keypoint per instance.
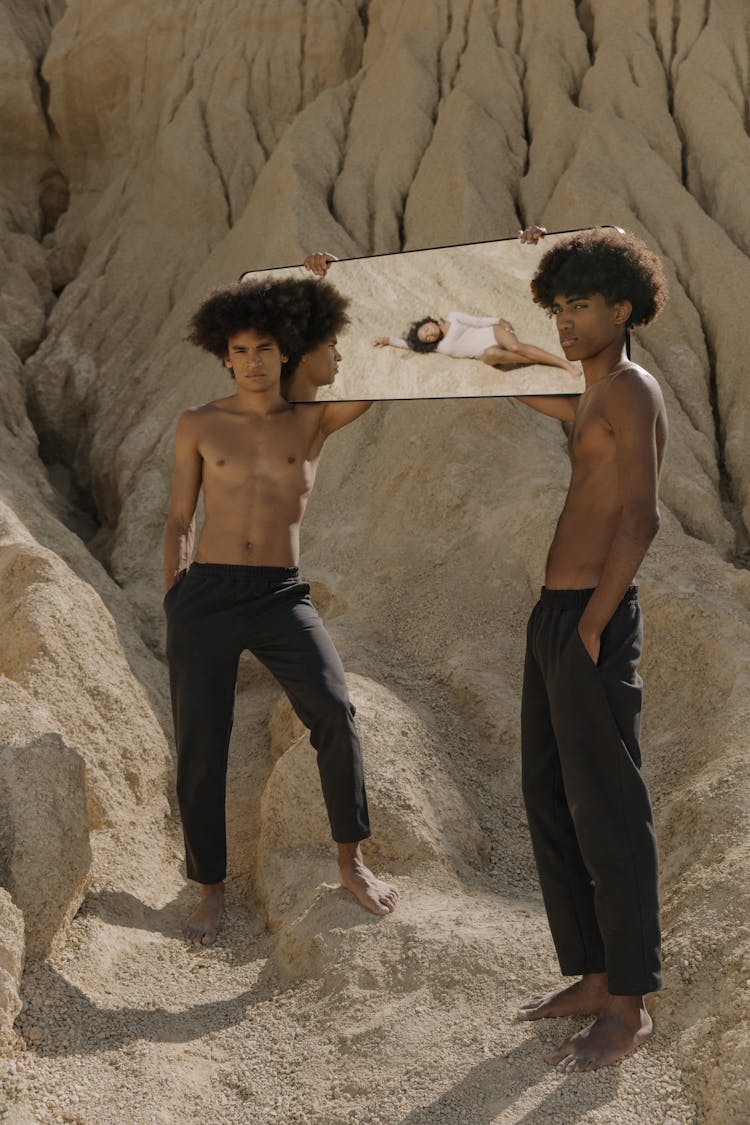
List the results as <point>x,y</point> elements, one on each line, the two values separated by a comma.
<point>430,332</point>
<point>321,364</point>
<point>255,359</point>
<point>587,325</point>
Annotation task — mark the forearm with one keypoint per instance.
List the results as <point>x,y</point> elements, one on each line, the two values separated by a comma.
<point>627,550</point>
<point>178,549</point>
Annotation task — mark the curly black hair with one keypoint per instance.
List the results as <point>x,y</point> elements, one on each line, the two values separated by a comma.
<point>322,313</point>
<point>412,336</point>
<point>611,262</point>
<point>299,313</point>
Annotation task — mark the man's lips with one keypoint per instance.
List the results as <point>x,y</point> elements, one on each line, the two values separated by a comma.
<point>566,341</point>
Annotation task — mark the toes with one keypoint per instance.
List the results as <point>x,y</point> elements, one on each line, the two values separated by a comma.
<point>557,1057</point>
<point>531,1009</point>
<point>576,1063</point>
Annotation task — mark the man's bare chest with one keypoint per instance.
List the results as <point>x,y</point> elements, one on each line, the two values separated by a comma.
<point>241,450</point>
<point>591,440</point>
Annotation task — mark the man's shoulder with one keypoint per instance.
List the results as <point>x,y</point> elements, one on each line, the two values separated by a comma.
<point>633,379</point>
<point>309,415</point>
<point>193,415</point>
<point>633,385</point>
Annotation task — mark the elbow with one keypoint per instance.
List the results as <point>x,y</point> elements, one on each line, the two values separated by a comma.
<point>179,525</point>
<point>653,523</point>
<point>644,525</point>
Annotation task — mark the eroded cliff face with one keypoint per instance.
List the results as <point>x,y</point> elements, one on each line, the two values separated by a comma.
<point>156,151</point>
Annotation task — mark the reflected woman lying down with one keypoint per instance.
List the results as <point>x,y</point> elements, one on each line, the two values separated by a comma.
<point>489,338</point>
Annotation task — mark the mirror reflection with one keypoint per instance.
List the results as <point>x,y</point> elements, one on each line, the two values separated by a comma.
<point>454,322</point>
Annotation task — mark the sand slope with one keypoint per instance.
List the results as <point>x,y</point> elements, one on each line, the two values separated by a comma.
<point>157,151</point>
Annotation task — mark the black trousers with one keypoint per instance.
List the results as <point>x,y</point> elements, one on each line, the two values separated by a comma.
<point>214,613</point>
<point>587,805</point>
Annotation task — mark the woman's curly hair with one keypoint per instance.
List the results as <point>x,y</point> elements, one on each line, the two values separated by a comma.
<point>412,336</point>
<point>616,264</point>
<point>298,313</point>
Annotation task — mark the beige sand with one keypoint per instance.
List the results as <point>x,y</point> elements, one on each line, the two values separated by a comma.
<point>168,148</point>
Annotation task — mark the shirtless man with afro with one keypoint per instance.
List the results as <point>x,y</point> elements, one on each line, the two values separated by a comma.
<point>587,805</point>
<point>255,456</point>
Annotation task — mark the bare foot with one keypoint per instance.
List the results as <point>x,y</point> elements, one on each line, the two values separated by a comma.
<point>370,892</point>
<point>621,1026</point>
<point>203,924</point>
<point>584,998</point>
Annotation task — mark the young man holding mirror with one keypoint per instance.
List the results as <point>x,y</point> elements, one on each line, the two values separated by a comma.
<point>587,805</point>
<point>255,456</point>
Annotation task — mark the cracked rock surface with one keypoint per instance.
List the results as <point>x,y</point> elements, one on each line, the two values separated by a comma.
<point>155,151</point>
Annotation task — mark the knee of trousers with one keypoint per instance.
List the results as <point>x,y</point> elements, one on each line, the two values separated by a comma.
<point>331,712</point>
<point>197,785</point>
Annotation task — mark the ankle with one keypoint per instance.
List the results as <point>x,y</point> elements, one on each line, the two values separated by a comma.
<point>212,890</point>
<point>595,982</point>
<point>631,1009</point>
<point>350,855</point>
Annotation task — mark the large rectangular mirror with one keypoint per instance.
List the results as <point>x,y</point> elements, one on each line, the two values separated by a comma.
<point>488,338</point>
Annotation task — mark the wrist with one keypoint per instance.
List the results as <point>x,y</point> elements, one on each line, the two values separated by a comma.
<point>588,628</point>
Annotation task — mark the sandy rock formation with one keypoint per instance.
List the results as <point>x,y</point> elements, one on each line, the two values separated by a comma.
<point>11,963</point>
<point>421,827</point>
<point>44,821</point>
<point>169,150</point>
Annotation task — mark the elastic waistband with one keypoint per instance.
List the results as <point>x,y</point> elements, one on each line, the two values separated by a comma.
<point>577,599</point>
<point>230,570</point>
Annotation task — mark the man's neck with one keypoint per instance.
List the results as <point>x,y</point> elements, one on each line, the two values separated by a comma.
<point>260,403</point>
<point>298,388</point>
<point>601,365</point>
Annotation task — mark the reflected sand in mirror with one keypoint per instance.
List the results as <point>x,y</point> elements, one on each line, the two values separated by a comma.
<point>455,322</point>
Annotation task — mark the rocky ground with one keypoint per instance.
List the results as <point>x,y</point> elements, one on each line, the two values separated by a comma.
<point>155,151</point>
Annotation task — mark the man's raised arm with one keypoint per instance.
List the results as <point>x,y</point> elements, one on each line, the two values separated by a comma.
<point>186,484</point>
<point>562,407</point>
<point>338,414</point>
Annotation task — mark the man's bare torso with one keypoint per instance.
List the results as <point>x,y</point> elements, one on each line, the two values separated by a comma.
<point>593,506</point>
<point>257,474</point>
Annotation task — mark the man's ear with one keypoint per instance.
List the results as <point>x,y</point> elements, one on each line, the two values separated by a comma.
<point>227,362</point>
<point>623,310</point>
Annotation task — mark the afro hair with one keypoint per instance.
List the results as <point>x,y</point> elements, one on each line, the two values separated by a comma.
<point>607,261</point>
<point>321,310</point>
<point>412,336</point>
<point>298,313</point>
